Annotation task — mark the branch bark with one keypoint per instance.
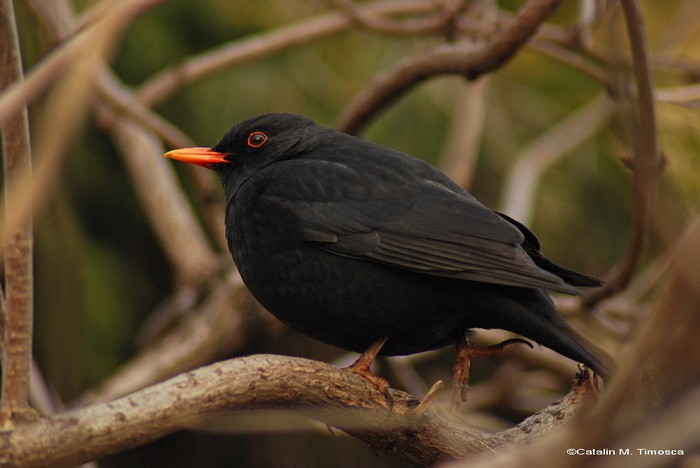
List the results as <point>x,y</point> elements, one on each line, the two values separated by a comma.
<point>321,391</point>
<point>19,305</point>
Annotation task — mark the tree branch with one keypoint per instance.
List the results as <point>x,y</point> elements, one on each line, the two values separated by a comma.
<point>157,185</point>
<point>321,391</point>
<point>160,86</point>
<point>375,22</point>
<point>647,162</point>
<point>453,59</point>
<point>549,148</point>
<point>154,179</point>
<point>18,306</point>
<point>466,133</point>
<point>227,321</point>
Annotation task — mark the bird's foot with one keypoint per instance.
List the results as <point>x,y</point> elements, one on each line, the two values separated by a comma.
<point>460,371</point>
<point>362,367</point>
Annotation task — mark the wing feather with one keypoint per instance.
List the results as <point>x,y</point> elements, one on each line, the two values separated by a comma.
<point>424,224</point>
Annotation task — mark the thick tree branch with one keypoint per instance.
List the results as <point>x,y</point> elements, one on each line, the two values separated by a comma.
<point>452,59</point>
<point>321,391</point>
<point>18,307</point>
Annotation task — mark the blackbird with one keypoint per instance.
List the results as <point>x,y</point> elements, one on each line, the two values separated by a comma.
<point>369,249</point>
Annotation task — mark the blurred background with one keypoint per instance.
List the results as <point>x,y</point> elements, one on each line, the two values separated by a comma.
<point>540,139</point>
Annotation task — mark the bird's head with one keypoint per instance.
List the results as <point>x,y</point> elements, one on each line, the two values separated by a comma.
<point>252,144</point>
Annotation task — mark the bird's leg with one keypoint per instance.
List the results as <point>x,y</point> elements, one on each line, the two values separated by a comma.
<point>362,368</point>
<point>460,371</point>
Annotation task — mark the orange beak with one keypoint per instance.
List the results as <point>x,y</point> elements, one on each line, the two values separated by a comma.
<point>204,157</point>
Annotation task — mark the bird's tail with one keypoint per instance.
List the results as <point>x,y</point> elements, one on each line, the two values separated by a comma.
<point>574,346</point>
<point>548,328</point>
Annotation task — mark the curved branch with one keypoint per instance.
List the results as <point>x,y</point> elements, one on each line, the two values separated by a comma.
<point>453,59</point>
<point>370,20</point>
<point>160,86</point>
<point>332,395</point>
<point>647,162</point>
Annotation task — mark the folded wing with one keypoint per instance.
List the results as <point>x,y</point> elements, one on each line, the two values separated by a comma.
<point>426,224</point>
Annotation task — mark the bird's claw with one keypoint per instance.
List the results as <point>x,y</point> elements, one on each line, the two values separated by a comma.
<point>463,363</point>
<point>362,367</point>
<point>498,348</point>
<point>381,384</point>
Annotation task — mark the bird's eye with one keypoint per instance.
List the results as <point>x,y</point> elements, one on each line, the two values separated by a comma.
<point>257,139</point>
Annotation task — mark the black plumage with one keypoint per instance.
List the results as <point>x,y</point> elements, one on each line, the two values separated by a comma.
<point>349,241</point>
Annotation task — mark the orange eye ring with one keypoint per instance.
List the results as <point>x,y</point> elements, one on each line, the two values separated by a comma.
<point>257,139</point>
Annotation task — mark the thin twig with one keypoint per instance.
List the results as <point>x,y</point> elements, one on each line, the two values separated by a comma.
<point>578,61</point>
<point>19,278</point>
<point>42,397</point>
<point>453,59</point>
<point>647,162</point>
<point>681,95</point>
<point>160,86</point>
<point>123,103</point>
<point>375,22</point>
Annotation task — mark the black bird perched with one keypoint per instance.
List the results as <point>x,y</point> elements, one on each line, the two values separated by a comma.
<point>368,249</point>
